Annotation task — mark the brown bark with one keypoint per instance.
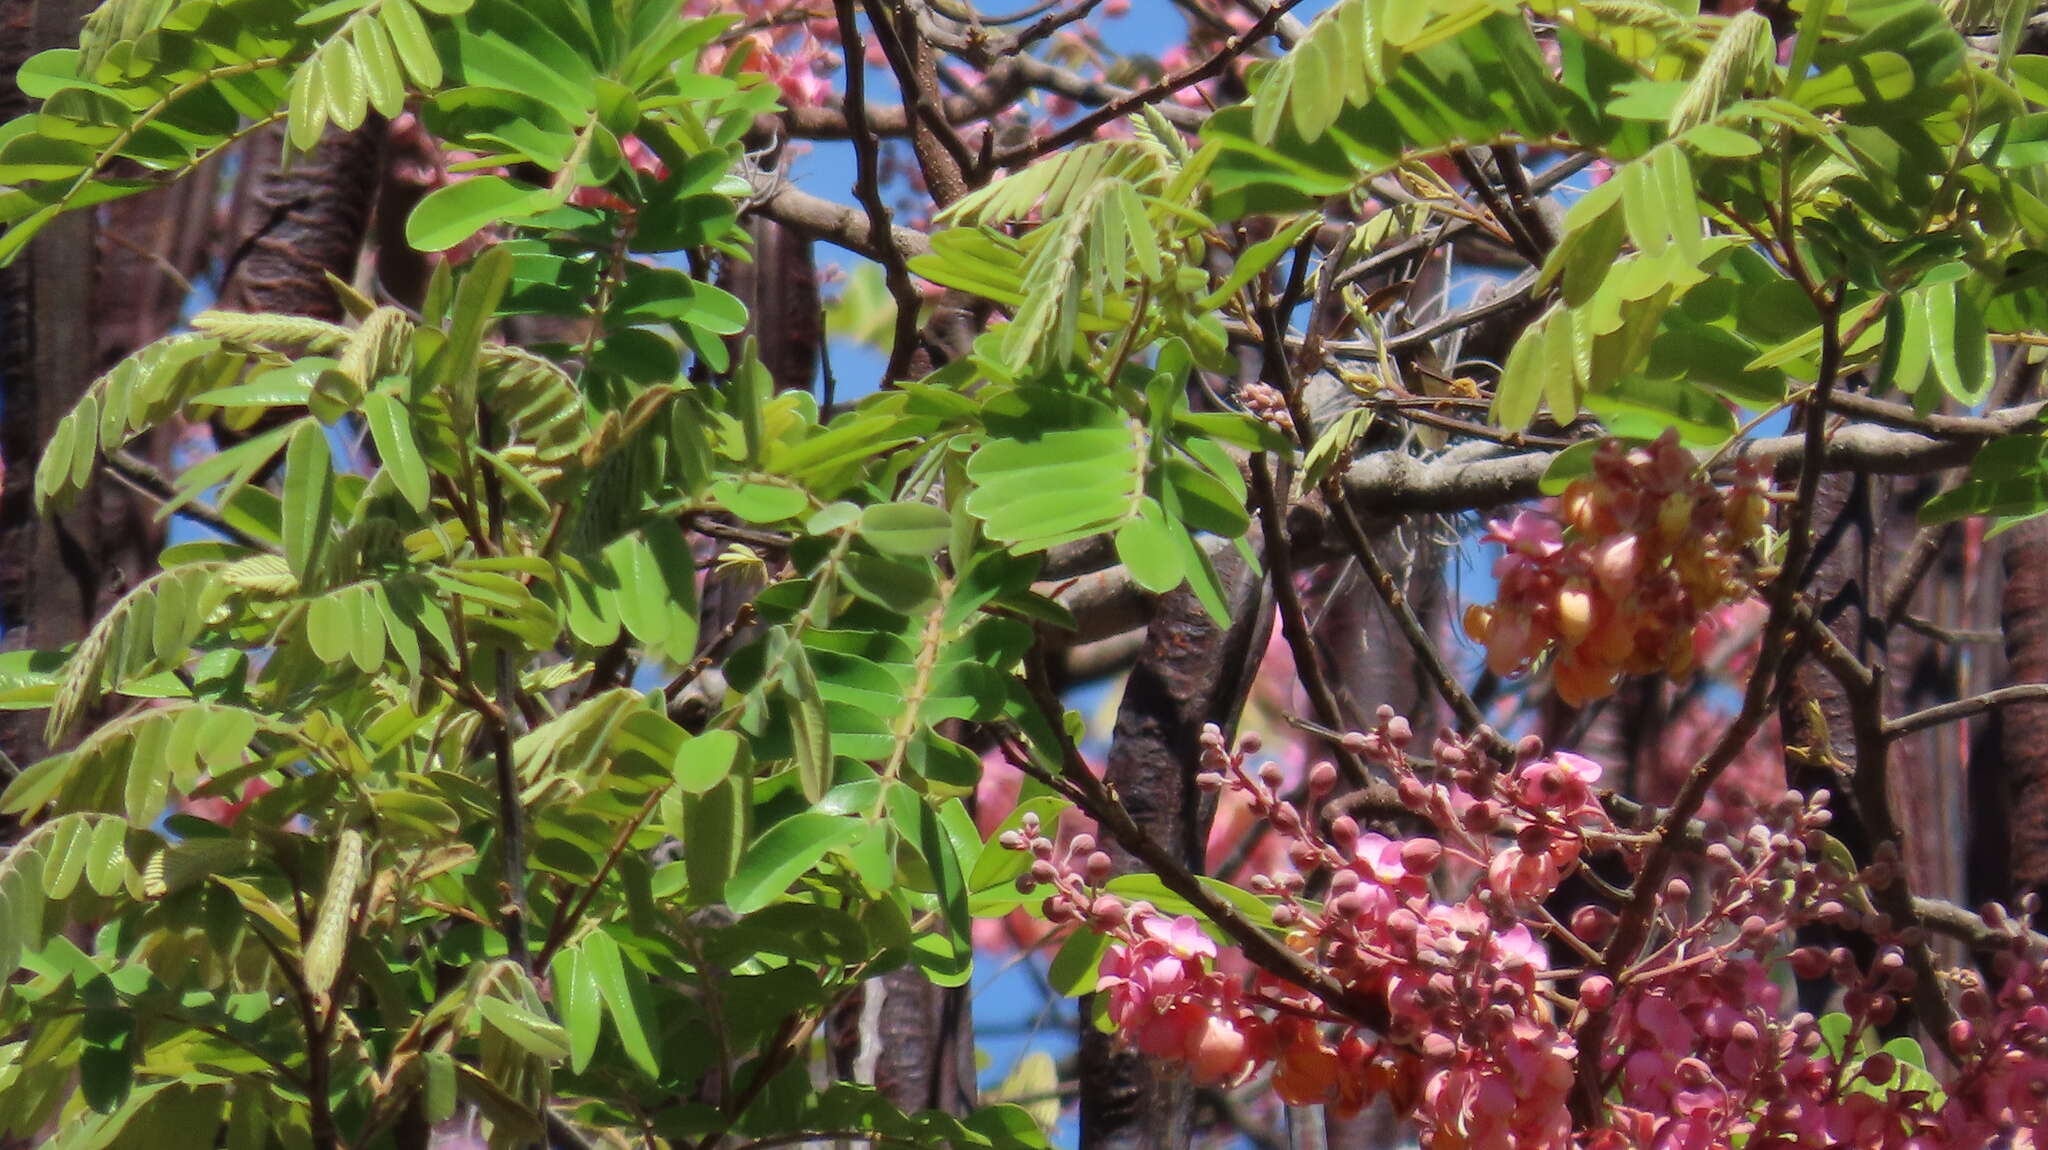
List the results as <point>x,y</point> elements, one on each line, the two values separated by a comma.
<point>780,289</point>
<point>2022,761</point>
<point>1371,665</point>
<point>307,221</point>
<point>1814,713</point>
<point>1191,672</point>
<point>56,575</point>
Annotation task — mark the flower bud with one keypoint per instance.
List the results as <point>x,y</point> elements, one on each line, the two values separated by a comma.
<point>1399,732</point>
<point>1108,911</point>
<point>1322,779</point>
<point>1596,992</point>
<point>1097,867</point>
<point>1420,856</point>
<point>1593,923</point>
<point>1042,870</point>
<point>1344,833</point>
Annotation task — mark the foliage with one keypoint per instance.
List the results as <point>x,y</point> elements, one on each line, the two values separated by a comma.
<point>461,848</point>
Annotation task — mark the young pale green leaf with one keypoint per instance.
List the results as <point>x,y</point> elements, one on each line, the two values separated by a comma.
<point>414,46</point>
<point>324,947</point>
<point>1520,390</point>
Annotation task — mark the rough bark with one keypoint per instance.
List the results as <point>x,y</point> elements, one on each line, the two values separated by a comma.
<point>780,289</point>
<point>1929,771</point>
<point>1820,745</point>
<point>57,575</point>
<point>1371,665</point>
<point>2022,761</point>
<point>1191,672</point>
<point>307,221</point>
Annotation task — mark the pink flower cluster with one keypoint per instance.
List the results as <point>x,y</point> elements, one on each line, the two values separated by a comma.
<point>1638,554</point>
<point>1441,976</point>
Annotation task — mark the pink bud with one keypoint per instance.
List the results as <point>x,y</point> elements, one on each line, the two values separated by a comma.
<point>1420,856</point>
<point>1596,992</point>
<point>1617,563</point>
<point>1322,779</point>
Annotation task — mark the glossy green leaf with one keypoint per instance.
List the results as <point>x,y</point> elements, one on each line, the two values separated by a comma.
<point>789,850</point>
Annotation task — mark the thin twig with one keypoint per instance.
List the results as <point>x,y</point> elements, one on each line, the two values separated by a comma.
<point>867,188</point>
<point>1294,622</point>
<point>1087,125</point>
<point>1905,725</point>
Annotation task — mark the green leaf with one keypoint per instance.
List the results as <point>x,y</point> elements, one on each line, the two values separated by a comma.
<point>714,824</point>
<point>705,761</point>
<point>1147,547</point>
<point>1959,344</point>
<point>624,996</point>
<point>409,36</point>
<point>908,529</point>
<point>810,725</point>
<point>308,499</point>
<point>789,850</point>
<point>391,429</point>
<point>579,1002</point>
<point>1574,462</point>
<point>1077,967</point>
<point>532,1033</point>
<point>454,212</point>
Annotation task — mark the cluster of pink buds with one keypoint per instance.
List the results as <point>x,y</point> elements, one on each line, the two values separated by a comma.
<point>1166,995</point>
<point>1264,401</point>
<point>1635,557</point>
<point>1447,983</point>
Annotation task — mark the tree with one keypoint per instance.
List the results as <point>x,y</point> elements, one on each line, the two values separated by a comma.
<point>557,712</point>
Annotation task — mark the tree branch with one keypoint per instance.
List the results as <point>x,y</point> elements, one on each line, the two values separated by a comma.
<point>1905,725</point>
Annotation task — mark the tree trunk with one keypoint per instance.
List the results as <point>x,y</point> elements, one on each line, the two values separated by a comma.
<point>2022,761</point>
<point>56,575</point>
<point>1372,665</point>
<point>1820,745</point>
<point>1191,672</point>
<point>309,222</point>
